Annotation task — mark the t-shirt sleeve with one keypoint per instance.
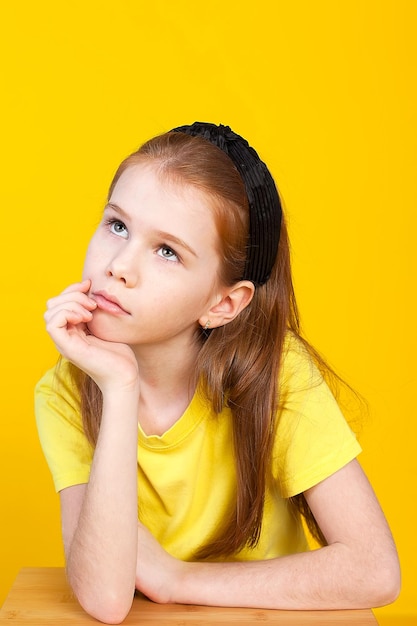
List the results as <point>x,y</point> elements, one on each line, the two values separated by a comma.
<point>64,444</point>
<point>313,439</point>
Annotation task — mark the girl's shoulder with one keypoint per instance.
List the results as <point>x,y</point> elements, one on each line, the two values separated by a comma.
<point>299,367</point>
<point>57,389</point>
<point>60,427</point>
<point>313,438</point>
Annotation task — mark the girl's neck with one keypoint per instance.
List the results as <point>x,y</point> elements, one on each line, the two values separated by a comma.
<point>167,385</point>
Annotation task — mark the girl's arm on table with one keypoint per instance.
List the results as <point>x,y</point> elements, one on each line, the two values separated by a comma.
<point>357,569</point>
<point>99,519</point>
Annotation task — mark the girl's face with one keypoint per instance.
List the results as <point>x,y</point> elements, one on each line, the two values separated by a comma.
<point>153,262</point>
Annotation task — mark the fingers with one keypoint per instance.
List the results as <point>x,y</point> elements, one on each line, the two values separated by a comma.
<point>84,286</point>
<point>62,317</point>
<point>72,308</point>
<point>77,293</point>
<point>82,309</point>
<point>73,298</point>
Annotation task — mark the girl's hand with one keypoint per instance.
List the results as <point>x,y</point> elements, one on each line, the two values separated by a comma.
<point>157,573</point>
<point>110,365</point>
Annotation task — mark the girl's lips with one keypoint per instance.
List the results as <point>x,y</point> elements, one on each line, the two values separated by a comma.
<point>108,304</point>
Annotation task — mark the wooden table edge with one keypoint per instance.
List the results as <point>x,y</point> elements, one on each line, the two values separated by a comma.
<point>41,596</point>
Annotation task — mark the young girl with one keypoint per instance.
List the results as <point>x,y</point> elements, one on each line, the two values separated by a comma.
<point>188,427</point>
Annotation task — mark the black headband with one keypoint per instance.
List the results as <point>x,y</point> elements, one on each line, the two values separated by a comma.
<point>265,210</point>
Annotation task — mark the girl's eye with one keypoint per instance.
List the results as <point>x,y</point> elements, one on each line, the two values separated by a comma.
<point>167,253</point>
<point>117,228</point>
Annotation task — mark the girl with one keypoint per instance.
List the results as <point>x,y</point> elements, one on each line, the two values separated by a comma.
<point>188,427</point>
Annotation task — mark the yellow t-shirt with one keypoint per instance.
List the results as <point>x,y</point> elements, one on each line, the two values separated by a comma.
<point>186,477</point>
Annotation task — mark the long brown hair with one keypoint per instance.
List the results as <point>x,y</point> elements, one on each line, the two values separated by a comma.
<point>239,363</point>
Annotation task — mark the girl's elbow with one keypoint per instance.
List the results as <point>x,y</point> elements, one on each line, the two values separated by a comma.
<point>392,589</point>
<point>109,608</point>
<point>108,614</point>
<point>386,582</point>
<point>107,599</point>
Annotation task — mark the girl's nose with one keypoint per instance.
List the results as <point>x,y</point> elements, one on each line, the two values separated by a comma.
<point>123,268</point>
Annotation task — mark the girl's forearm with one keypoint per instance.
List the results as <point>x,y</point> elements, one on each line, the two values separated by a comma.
<point>101,559</point>
<point>329,578</point>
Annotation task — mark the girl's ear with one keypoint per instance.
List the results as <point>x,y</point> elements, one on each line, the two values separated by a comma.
<point>229,305</point>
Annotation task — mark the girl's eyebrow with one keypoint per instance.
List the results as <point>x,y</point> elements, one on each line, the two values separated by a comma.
<point>160,234</point>
<point>175,240</point>
<point>117,208</point>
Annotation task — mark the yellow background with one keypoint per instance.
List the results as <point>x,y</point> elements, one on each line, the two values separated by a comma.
<point>324,90</point>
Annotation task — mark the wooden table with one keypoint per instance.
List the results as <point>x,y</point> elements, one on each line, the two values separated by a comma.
<point>41,596</point>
